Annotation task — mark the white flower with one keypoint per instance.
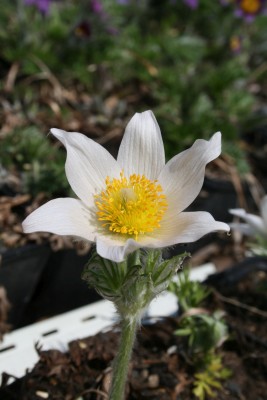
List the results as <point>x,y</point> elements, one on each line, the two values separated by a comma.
<point>254,224</point>
<point>136,201</point>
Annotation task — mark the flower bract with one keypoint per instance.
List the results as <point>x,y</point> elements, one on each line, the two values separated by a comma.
<point>136,201</point>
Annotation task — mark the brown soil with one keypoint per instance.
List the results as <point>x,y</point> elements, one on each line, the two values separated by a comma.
<point>160,366</point>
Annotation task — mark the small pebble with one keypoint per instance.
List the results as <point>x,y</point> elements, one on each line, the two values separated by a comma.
<point>172,350</point>
<point>153,381</point>
<point>43,395</point>
<point>144,373</point>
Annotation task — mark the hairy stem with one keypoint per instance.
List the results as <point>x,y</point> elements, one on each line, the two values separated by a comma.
<point>121,362</point>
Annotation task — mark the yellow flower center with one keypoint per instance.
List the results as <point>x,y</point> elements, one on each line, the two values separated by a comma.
<point>131,206</point>
<point>235,43</point>
<point>250,6</point>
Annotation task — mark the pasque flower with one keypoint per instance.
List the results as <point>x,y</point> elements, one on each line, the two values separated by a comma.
<point>248,9</point>
<point>135,201</point>
<point>191,3</point>
<point>254,225</point>
<point>42,5</point>
<point>236,44</point>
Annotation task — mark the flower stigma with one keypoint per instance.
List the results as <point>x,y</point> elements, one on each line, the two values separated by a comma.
<point>131,206</point>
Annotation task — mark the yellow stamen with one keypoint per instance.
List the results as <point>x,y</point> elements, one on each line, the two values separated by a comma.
<point>131,206</point>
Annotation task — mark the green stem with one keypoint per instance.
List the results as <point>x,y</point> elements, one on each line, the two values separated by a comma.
<point>121,362</point>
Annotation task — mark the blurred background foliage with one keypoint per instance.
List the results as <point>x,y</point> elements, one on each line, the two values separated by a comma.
<point>88,66</point>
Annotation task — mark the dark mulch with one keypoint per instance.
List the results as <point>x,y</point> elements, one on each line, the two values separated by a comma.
<point>160,368</point>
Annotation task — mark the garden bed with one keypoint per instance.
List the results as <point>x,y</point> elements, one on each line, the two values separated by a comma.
<point>161,367</point>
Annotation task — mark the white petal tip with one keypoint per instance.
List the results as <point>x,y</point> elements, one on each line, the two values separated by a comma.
<point>238,212</point>
<point>224,227</point>
<point>25,226</point>
<point>58,133</point>
<point>216,140</point>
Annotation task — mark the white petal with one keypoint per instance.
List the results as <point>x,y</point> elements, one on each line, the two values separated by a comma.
<point>115,250</point>
<point>246,229</point>
<point>87,163</point>
<point>254,221</point>
<point>141,150</point>
<point>63,216</point>
<point>263,208</point>
<point>184,228</point>
<point>183,176</point>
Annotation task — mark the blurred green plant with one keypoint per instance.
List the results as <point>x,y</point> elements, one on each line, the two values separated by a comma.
<point>189,293</point>
<point>259,246</point>
<point>238,157</point>
<point>40,164</point>
<point>198,75</point>
<point>205,334</point>
<point>196,80</point>
<point>67,40</point>
<point>208,380</point>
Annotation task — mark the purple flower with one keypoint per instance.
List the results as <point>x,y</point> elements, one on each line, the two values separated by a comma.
<point>236,44</point>
<point>249,9</point>
<point>42,5</point>
<point>191,3</point>
<point>96,6</point>
<point>83,29</point>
